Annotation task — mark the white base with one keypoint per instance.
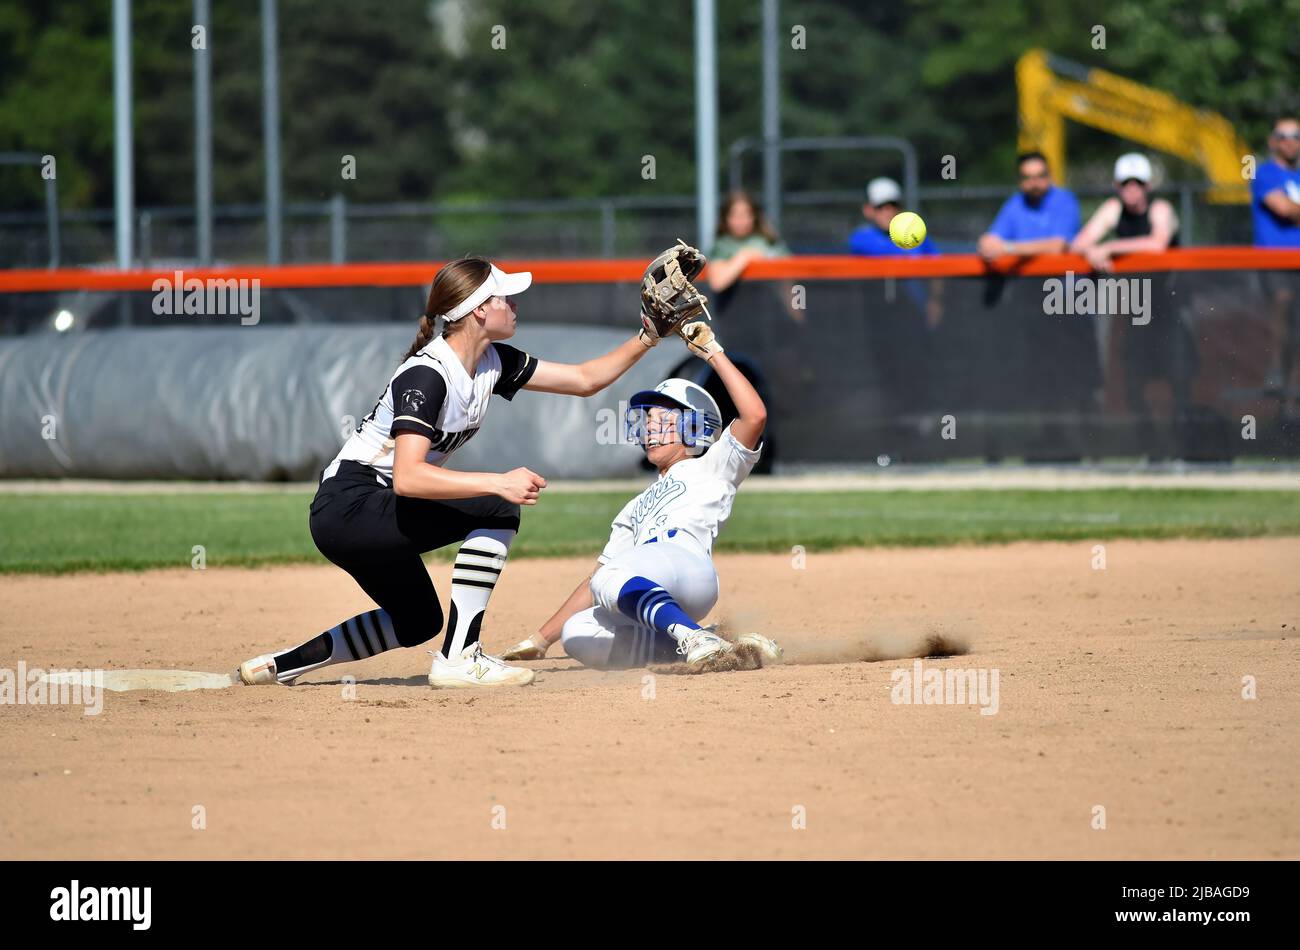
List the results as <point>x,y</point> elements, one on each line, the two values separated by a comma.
<point>121,681</point>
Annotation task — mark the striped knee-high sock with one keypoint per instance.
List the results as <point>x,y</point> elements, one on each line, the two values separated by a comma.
<point>649,604</point>
<point>479,563</point>
<point>356,638</point>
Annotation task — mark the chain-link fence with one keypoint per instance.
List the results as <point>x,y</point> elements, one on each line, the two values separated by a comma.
<point>337,231</point>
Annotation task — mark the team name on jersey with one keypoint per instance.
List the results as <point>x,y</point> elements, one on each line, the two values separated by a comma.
<point>656,497</point>
<point>450,441</point>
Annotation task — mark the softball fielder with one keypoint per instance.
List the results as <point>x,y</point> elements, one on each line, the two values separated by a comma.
<point>387,498</point>
<point>655,579</point>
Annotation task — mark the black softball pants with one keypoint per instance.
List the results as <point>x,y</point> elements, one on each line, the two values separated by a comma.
<point>377,536</point>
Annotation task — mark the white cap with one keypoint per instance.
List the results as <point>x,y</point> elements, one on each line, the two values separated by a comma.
<point>883,191</point>
<point>1133,165</point>
<point>498,284</point>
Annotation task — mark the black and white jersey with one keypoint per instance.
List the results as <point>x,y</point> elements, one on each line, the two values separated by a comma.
<point>432,395</point>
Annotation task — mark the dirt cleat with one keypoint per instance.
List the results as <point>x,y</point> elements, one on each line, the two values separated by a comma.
<point>259,671</point>
<point>768,649</point>
<point>474,668</point>
<point>703,650</point>
<point>533,648</point>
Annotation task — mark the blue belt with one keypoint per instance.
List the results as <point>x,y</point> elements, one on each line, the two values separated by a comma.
<point>671,533</point>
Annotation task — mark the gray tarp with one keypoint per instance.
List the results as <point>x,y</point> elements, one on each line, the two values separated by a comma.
<point>264,403</point>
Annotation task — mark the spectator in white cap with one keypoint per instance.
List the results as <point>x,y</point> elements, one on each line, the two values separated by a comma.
<point>1161,351</point>
<point>1137,222</point>
<point>884,200</point>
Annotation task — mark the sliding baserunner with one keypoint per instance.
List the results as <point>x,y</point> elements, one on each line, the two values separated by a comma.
<point>655,580</point>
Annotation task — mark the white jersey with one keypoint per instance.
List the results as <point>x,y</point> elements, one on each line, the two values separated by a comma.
<point>431,394</point>
<point>693,497</point>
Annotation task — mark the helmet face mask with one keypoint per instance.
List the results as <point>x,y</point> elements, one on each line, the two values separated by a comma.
<point>676,411</point>
<point>650,426</point>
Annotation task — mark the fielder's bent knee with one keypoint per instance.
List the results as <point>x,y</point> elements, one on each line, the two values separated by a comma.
<point>505,516</point>
<point>412,630</point>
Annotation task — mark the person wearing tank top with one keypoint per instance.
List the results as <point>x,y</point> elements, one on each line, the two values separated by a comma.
<point>1139,222</point>
<point>1163,349</point>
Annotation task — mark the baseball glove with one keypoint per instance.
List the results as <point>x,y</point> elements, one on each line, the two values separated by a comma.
<point>668,298</point>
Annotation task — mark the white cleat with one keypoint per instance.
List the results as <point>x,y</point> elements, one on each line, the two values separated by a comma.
<point>534,648</point>
<point>259,671</point>
<point>703,649</point>
<point>474,668</point>
<point>767,648</point>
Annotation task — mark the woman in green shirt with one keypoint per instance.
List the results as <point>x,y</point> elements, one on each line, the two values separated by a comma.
<point>744,235</point>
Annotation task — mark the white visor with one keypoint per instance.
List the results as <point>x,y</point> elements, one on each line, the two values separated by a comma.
<point>498,284</point>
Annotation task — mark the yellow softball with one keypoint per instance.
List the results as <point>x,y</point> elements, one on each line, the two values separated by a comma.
<point>907,230</point>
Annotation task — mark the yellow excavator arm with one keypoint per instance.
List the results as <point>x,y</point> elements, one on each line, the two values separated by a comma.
<point>1052,90</point>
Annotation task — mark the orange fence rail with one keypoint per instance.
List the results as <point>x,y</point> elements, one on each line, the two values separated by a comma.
<point>418,273</point>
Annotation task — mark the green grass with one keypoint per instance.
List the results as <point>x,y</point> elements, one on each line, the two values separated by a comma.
<point>60,533</point>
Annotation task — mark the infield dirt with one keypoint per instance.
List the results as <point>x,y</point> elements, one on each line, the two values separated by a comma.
<point>1119,688</point>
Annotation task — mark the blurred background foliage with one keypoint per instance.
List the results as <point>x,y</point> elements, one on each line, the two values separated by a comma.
<point>584,89</point>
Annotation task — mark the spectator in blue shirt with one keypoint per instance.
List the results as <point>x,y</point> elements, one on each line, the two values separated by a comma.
<point>884,200</point>
<point>1275,204</point>
<point>1040,219</point>
<point>1275,192</point>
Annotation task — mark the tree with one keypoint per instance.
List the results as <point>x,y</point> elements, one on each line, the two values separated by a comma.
<point>465,99</point>
<point>357,81</point>
<point>54,71</point>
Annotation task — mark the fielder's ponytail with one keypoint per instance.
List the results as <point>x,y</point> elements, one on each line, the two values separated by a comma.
<point>455,282</point>
<point>422,337</point>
